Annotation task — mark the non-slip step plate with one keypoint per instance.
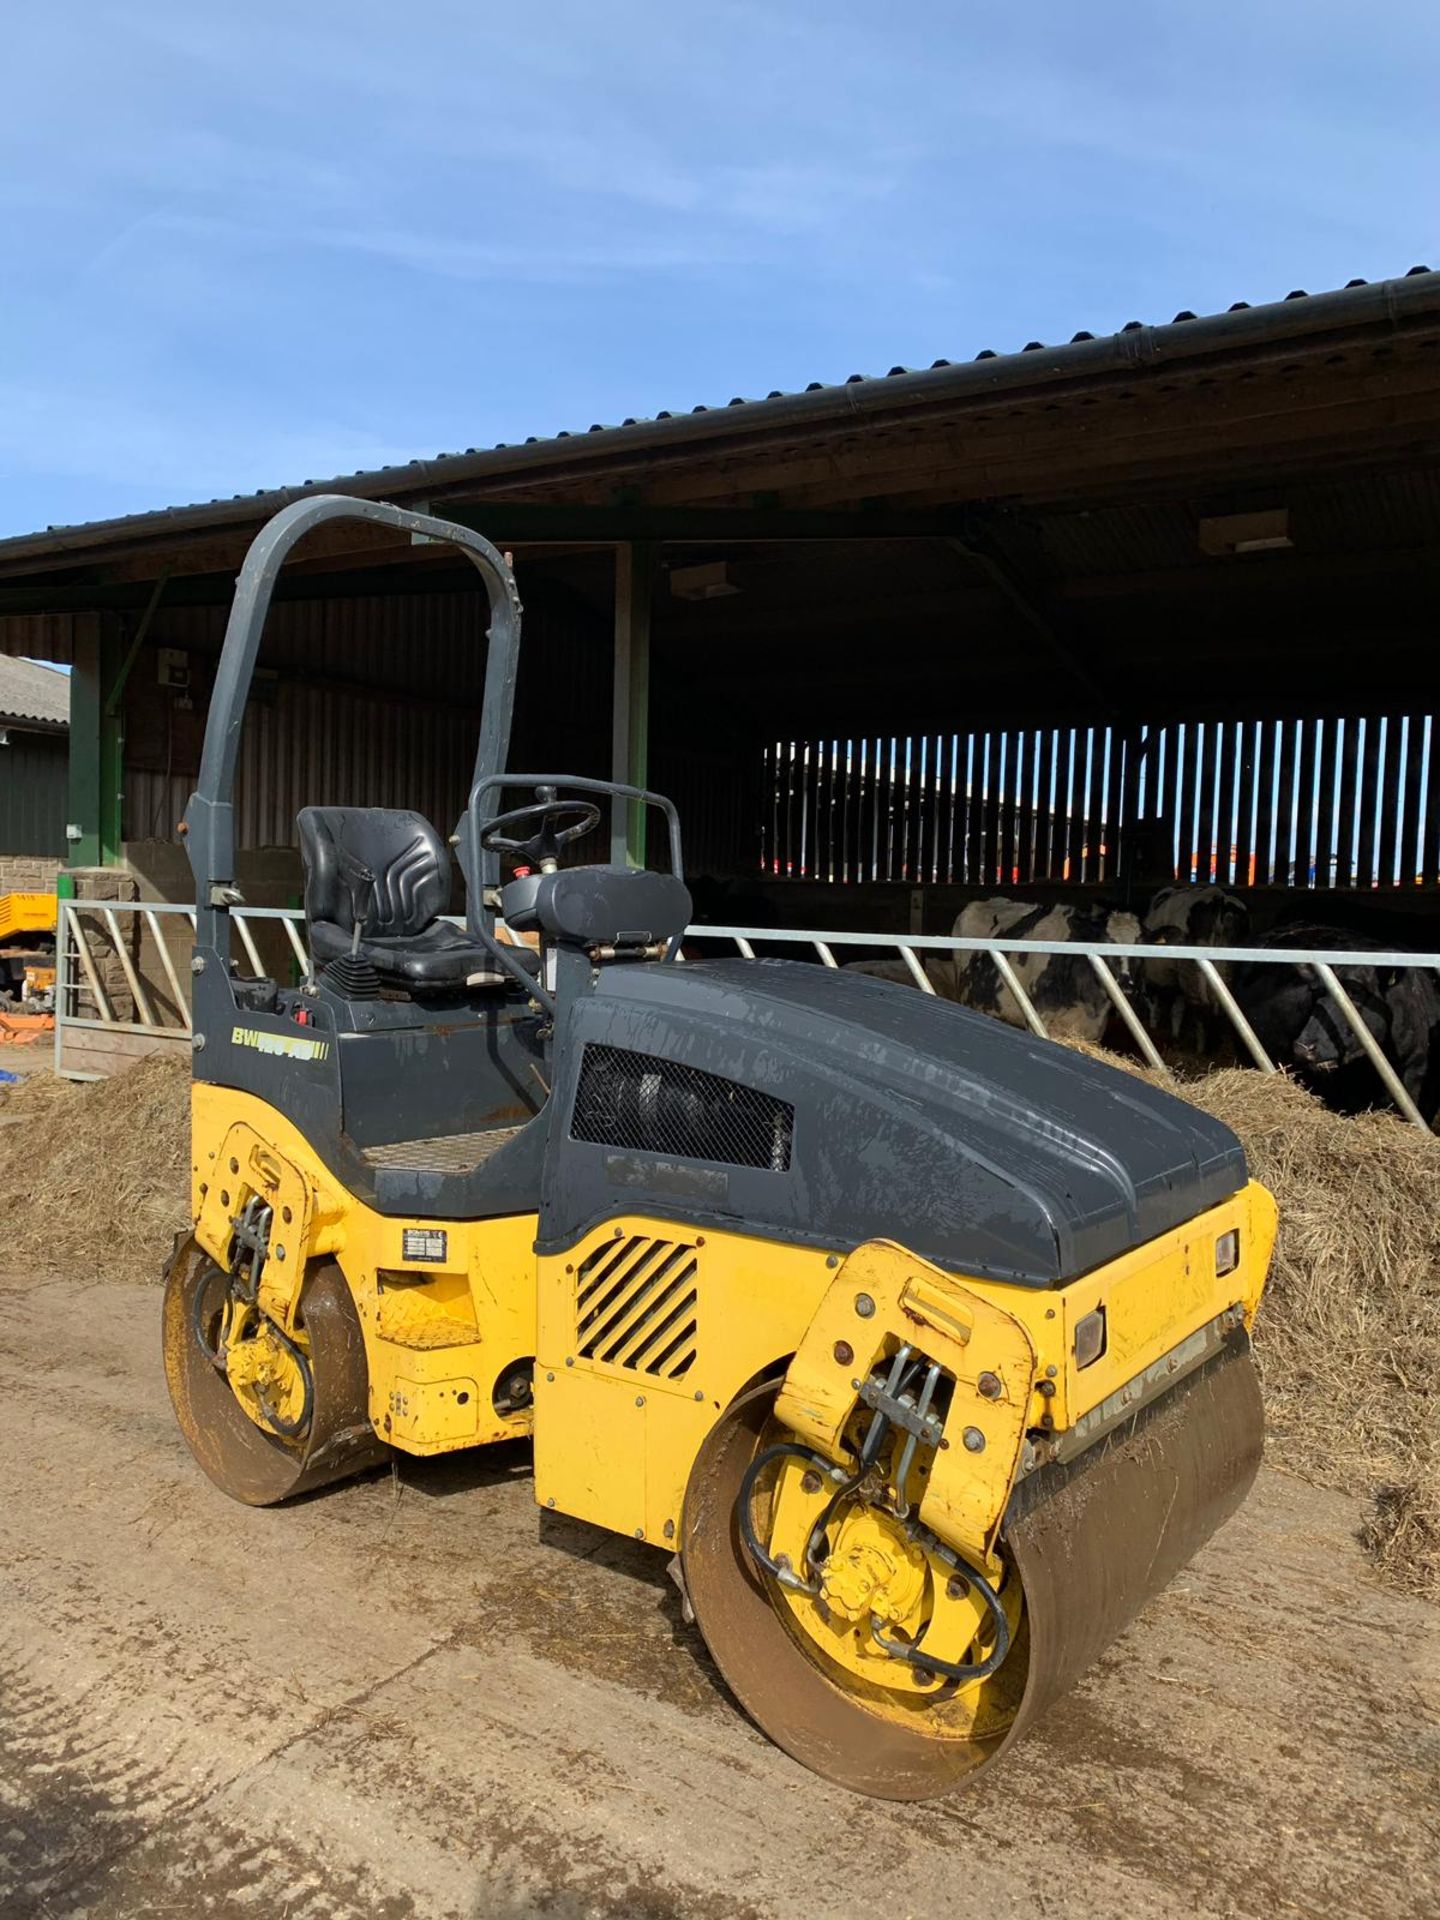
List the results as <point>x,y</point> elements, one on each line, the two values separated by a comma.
<point>451,1153</point>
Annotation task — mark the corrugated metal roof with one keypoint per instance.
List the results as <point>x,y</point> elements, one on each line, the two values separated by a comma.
<point>29,691</point>
<point>1132,348</point>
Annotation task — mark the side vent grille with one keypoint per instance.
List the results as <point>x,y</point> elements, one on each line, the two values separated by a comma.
<point>638,1100</point>
<point>636,1306</point>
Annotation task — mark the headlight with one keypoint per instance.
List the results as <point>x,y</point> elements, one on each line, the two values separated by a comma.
<point>1089,1337</point>
<point>1227,1253</point>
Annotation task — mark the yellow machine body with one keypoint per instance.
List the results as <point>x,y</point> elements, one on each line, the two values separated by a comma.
<point>438,1335</point>
<point>26,913</point>
<point>622,1406</point>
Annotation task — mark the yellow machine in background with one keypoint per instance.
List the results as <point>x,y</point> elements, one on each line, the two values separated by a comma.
<point>27,951</point>
<point>921,1345</point>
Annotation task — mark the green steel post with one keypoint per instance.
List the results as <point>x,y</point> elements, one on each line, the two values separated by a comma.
<point>96,743</point>
<point>630,723</point>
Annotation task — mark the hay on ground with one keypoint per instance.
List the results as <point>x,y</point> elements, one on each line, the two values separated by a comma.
<point>1348,1334</point>
<point>95,1178</point>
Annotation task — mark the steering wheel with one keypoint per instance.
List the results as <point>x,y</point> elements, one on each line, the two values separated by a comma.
<point>553,824</point>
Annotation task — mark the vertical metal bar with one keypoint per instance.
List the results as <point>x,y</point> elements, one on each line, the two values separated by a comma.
<point>936,864</point>
<point>908,749</point>
<point>247,941</point>
<point>1285,870</point>
<point>1128,1014</point>
<point>152,920</point>
<point>1109,836</point>
<point>1427,858</point>
<point>874,873</point>
<point>747,952</point>
<point>132,978</point>
<point>825,954</point>
<point>298,946</point>
<point>1393,1083</point>
<point>824,809</point>
<point>1237,1019</point>
<point>1187,790</point>
<point>1228,805</point>
<point>845,789</point>
<point>1347,806</point>
<point>917,972</point>
<point>1264,799</point>
<point>1367,784</point>
<point>975,811</point>
<point>1391,796</point>
<point>1253,761</point>
<point>1018,994</point>
<point>87,963</point>
<point>1017,809</point>
<point>1219,859</point>
<point>1070,868</point>
<point>767,789</point>
<point>1326,755</point>
<point>1304,801</point>
<point>1413,803</point>
<point>1034,805</point>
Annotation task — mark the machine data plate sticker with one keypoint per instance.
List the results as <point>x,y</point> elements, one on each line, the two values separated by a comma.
<point>424,1243</point>
<point>292,1046</point>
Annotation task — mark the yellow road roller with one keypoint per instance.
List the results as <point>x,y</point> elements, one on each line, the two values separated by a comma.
<point>919,1345</point>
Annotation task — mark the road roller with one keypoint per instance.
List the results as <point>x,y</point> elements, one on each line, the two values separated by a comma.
<point>918,1346</point>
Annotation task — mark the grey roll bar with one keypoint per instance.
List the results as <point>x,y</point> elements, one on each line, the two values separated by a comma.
<point>209,824</point>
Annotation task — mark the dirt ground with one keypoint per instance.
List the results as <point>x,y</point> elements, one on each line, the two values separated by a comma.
<point>417,1698</point>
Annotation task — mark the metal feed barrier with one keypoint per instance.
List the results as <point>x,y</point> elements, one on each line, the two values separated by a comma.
<point>79,975</point>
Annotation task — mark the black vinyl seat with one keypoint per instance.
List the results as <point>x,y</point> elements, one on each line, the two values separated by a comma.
<point>388,869</point>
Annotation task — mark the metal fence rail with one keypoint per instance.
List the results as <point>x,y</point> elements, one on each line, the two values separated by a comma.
<point>78,976</point>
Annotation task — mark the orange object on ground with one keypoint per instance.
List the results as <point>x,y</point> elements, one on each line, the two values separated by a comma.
<point>24,1029</point>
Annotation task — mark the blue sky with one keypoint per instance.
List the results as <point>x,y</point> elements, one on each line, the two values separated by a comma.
<point>247,245</point>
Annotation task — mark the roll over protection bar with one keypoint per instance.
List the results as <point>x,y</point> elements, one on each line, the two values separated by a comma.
<point>209,825</point>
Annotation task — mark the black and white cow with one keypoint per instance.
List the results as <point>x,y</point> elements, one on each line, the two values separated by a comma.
<point>1065,991</point>
<point>1179,1003</point>
<point>1302,1029</point>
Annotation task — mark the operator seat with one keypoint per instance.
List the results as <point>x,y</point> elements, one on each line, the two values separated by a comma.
<point>389,870</point>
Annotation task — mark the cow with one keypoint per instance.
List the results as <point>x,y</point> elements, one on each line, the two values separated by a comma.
<point>1297,1021</point>
<point>1066,992</point>
<point>1179,1002</point>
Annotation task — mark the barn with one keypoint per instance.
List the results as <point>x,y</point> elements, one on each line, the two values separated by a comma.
<point>34,762</point>
<point>1070,619</point>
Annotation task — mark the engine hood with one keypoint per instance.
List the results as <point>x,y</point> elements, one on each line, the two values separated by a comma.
<point>982,1148</point>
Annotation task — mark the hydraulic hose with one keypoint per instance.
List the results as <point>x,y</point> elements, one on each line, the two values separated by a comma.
<point>948,1669</point>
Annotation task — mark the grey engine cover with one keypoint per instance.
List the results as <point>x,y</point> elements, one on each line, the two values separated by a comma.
<point>978,1146</point>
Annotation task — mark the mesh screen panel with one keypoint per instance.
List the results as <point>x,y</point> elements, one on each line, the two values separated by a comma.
<point>638,1100</point>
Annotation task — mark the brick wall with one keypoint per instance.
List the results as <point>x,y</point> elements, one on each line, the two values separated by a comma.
<point>27,873</point>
